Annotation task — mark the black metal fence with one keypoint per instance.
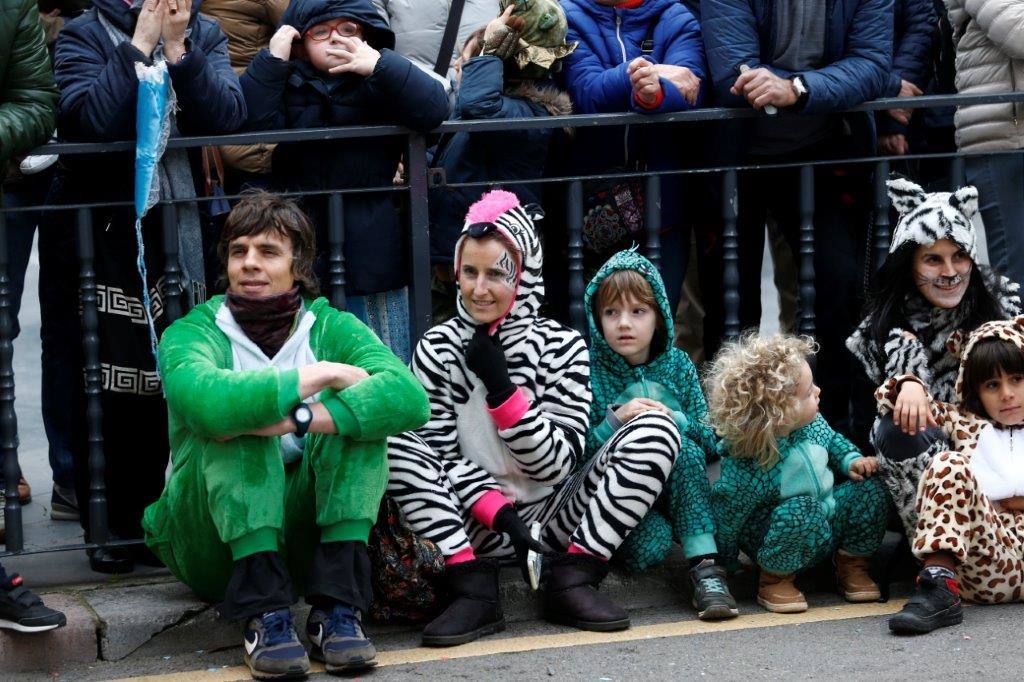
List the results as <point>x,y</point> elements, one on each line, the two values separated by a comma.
<point>417,186</point>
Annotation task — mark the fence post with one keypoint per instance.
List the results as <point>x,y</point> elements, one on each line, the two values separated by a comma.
<point>730,255</point>
<point>882,224</point>
<point>93,379</point>
<point>807,293</point>
<point>171,289</point>
<point>8,418</point>
<point>336,238</point>
<point>574,216</point>
<point>419,243</point>
<point>652,219</point>
<point>957,172</point>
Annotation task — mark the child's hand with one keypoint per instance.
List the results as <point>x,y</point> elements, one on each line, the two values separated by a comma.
<point>862,468</point>
<point>281,42</point>
<point>912,413</point>
<point>357,57</point>
<point>645,81</point>
<point>501,36</point>
<point>638,406</point>
<point>685,81</point>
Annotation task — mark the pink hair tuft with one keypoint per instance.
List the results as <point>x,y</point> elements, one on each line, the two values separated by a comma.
<point>491,205</point>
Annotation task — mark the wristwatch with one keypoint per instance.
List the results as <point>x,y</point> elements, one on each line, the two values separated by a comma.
<point>302,417</point>
<point>801,91</point>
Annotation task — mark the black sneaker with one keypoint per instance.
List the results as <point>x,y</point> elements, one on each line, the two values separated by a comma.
<point>272,649</point>
<point>711,595</point>
<point>63,505</point>
<point>934,604</point>
<point>338,639</point>
<point>22,610</point>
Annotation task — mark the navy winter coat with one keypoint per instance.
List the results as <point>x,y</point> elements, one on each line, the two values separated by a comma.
<point>609,39</point>
<point>99,88</point>
<point>497,156</point>
<point>914,32</point>
<point>293,94</point>
<point>858,50</point>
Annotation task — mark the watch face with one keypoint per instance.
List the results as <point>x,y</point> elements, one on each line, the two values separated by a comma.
<point>303,413</point>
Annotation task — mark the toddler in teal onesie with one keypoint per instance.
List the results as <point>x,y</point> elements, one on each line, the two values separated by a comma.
<point>776,499</point>
<point>635,368</point>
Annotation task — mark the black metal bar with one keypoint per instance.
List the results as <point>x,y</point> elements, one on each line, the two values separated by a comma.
<point>574,216</point>
<point>807,293</point>
<point>883,226</point>
<point>957,172</point>
<point>652,219</point>
<point>8,418</point>
<point>98,530</point>
<point>336,238</point>
<point>171,289</point>
<point>419,238</point>
<point>731,255</point>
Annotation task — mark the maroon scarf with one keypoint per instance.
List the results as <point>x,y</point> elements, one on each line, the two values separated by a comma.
<point>268,320</point>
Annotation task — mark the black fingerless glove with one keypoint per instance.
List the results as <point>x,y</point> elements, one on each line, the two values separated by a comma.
<point>486,359</point>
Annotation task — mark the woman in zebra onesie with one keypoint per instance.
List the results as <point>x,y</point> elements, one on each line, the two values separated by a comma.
<point>929,294</point>
<point>510,400</point>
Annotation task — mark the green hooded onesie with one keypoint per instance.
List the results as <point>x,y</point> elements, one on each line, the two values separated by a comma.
<point>227,500</point>
<point>670,378</point>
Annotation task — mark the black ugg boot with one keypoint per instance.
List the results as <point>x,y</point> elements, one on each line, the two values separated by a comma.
<point>475,610</point>
<point>571,596</point>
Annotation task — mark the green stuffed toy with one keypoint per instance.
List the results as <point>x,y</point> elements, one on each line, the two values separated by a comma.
<point>540,28</point>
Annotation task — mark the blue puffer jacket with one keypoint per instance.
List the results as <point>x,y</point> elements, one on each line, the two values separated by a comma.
<point>294,94</point>
<point>914,40</point>
<point>609,39</point>
<point>858,50</point>
<point>495,157</point>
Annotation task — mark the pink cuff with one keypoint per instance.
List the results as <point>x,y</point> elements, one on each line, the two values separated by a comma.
<point>488,506</point>
<point>511,411</point>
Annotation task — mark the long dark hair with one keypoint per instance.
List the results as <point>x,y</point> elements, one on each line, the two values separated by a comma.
<point>893,285</point>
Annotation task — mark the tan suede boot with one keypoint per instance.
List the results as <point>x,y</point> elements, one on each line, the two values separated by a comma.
<point>854,582</point>
<point>777,593</point>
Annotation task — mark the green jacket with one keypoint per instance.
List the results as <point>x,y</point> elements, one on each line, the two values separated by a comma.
<point>808,458</point>
<point>206,399</point>
<point>668,377</point>
<point>28,95</point>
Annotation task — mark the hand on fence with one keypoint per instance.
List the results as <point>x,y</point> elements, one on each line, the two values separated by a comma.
<point>149,26</point>
<point>356,57</point>
<point>638,406</point>
<point>685,81</point>
<point>761,88</point>
<point>862,468</point>
<point>281,42</point>
<point>893,145</point>
<point>173,30</point>
<point>912,411</point>
<point>907,89</point>
<point>645,81</point>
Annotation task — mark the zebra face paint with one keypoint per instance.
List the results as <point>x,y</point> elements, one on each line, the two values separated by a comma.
<point>487,279</point>
<point>942,272</point>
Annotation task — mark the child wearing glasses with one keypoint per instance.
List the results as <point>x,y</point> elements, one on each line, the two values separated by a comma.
<point>332,63</point>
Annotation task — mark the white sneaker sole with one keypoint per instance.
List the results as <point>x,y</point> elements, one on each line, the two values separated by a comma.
<point>797,607</point>
<point>11,625</point>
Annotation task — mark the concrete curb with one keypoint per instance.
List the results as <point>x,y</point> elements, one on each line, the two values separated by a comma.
<point>54,650</point>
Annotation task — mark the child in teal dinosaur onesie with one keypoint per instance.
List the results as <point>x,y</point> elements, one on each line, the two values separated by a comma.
<point>776,499</point>
<point>635,368</point>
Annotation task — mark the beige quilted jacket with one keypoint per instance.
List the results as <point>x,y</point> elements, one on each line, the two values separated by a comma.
<point>989,59</point>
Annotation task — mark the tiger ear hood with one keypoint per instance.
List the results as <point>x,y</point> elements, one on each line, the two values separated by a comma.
<point>927,217</point>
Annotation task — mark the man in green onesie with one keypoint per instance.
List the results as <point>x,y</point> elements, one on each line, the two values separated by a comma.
<point>280,407</point>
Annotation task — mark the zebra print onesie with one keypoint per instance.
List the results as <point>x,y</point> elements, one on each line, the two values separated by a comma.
<point>442,470</point>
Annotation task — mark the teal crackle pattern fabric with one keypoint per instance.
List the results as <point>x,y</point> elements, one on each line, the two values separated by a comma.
<point>669,377</point>
<point>788,534</point>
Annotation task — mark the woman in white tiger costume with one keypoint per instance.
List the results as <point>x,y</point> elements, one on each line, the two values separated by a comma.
<point>929,294</point>
<point>510,400</point>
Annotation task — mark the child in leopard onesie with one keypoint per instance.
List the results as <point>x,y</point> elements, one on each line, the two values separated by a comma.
<point>970,503</point>
<point>776,499</point>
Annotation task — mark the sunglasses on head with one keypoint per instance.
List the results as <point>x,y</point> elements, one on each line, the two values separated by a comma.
<point>344,28</point>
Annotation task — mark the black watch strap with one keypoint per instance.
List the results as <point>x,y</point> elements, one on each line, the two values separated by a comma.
<point>301,425</point>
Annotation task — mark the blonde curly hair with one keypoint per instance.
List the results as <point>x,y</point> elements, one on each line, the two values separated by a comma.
<point>751,389</point>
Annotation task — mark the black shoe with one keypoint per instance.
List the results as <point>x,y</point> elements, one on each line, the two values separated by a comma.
<point>935,604</point>
<point>22,610</point>
<point>338,639</point>
<point>111,560</point>
<point>711,595</point>
<point>63,505</point>
<point>476,608</point>
<point>571,596</point>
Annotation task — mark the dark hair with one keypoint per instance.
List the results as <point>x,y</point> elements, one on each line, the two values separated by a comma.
<point>893,284</point>
<point>988,358</point>
<point>260,211</point>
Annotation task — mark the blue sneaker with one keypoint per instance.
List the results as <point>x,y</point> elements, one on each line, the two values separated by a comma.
<point>272,649</point>
<point>338,639</point>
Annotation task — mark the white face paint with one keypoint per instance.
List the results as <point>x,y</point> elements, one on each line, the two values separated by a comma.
<point>942,272</point>
<point>507,265</point>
